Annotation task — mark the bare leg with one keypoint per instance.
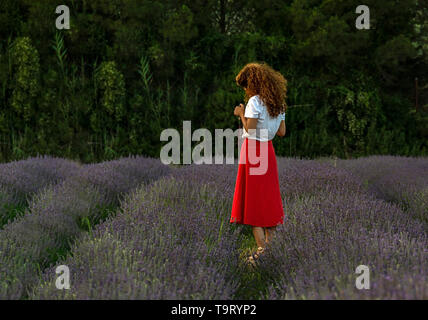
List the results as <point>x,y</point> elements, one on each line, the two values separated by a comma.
<point>259,235</point>
<point>269,233</point>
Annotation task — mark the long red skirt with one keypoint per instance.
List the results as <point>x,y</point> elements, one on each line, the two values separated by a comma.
<point>257,200</point>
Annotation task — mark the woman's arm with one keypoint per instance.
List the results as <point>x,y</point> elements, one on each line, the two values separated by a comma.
<point>281,130</point>
<point>247,123</point>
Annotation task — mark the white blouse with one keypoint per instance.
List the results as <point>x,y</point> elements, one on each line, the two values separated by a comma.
<point>257,109</point>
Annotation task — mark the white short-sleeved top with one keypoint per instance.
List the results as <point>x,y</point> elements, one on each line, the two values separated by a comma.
<point>257,109</point>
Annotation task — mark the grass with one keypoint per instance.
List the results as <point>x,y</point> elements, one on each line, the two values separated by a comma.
<point>10,212</point>
<point>61,252</point>
<point>101,213</point>
<point>252,282</point>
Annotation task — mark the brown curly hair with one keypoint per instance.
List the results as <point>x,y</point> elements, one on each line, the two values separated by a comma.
<point>261,79</point>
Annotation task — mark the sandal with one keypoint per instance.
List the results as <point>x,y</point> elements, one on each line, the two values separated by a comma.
<point>254,256</point>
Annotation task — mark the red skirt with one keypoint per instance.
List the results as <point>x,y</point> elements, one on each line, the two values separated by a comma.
<point>257,200</point>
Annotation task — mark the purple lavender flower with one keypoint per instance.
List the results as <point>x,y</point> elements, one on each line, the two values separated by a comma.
<point>21,180</point>
<point>57,216</point>
<point>165,244</point>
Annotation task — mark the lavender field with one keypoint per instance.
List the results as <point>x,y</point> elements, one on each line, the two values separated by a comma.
<point>134,228</point>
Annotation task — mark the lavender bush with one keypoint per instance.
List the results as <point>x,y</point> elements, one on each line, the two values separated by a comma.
<point>169,242</point>
<point>118,177</point>
<point>60,214</point>
<point>10,205</point>
<point>20,180</point>
<point>299,178</point>
<point>172,239</point>
<point>328,235</point>
<point>402,180</point>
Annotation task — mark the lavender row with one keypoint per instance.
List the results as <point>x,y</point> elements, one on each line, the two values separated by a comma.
<point>171,241</point>
<point>300,178</point>
<point>194,207</point>
<point>333,218</point>
<point>58,216</point>
<point>20,180</point>
<point>315,255</point>
<point>401,180</point>
<point>297,178</point>
<point>333,225</point>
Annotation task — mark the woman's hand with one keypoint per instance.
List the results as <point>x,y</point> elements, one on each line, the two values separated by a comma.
<point>239,110</point>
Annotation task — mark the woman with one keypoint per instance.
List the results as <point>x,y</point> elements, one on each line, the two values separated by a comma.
<point>257,200</point>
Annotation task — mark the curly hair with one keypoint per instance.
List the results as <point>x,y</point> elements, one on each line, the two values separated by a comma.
<point>261,79</point>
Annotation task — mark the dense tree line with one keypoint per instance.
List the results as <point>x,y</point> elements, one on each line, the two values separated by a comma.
<point>127,69</point>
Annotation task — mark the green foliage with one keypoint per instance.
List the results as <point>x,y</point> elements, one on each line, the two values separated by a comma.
<point>111,88</point>
<point>10,213</point>
<point>60,51</point>
<point>26,69</point>
<point>10,17</point>
<point>99,214</point>
<point>390,56</point>
<point>179,26</point>
<point>356,109</point>
<point>126,70</point>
